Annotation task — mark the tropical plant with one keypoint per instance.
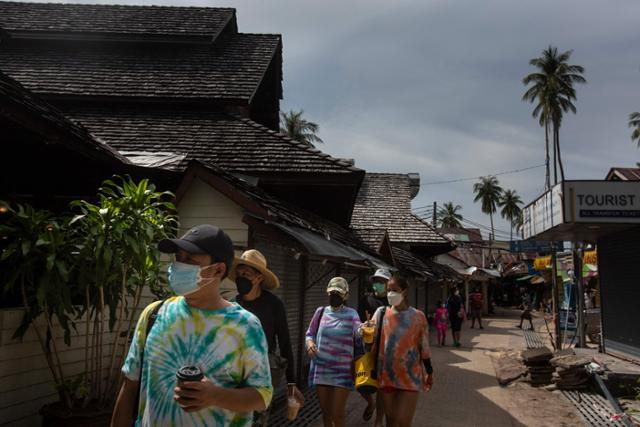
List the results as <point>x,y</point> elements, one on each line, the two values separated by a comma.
<point>450,218</point>
<point>510,203</point>
<point>488,192</point>
<point>88,273</point>
<point>297,128</point>
<point>552,87</point>
<point>118,236</point>
<point>634,122</point>
<point>37,264</point>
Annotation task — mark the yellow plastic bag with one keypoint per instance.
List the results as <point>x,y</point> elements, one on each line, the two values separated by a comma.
<point>366,381</point>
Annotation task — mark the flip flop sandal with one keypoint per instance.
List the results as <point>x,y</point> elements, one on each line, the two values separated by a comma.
<point>368,413</point>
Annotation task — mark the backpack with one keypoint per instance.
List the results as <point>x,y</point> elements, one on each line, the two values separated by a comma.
<point>150,322</point>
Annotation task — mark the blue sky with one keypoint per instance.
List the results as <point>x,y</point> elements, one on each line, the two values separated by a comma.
<point>434,86</point>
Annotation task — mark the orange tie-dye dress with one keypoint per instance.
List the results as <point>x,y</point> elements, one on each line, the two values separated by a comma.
<point>404,343</point>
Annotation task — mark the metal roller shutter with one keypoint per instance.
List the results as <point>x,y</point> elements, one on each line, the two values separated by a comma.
<point>618,259</point>
<point>289,270</point>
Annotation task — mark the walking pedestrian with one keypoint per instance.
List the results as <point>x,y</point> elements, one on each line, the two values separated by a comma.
<point>254,281</point>
<point>331,341</point>
<point>526,315</point>
<point>367,307</point>
<point>475,301</point>
<point>441,318</point>
<point>195,332</point>
<point>456,315</point>
<point>404,356</point>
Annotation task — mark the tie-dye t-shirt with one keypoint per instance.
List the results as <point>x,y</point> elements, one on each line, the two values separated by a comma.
<point>334,335</point>
<point>228,345</point>
<point>404,342</point>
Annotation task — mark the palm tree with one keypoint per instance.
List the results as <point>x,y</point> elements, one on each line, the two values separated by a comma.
<point>510,203</point>
<point>552,88</point>
<point>488,192</point>
<point>297,128</point>
<point>634,122</point>
<point>450,216</point>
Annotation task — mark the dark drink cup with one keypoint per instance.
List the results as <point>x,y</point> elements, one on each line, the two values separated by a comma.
<point>189,373</point>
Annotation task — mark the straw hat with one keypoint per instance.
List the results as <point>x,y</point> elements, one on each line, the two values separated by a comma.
<point>255,259</point>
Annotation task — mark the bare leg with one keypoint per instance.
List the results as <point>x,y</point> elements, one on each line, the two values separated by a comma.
<point>325,398</point>
<point>340,397</point>
<point>370,405</point>
<point>379,410</point>
<point>405,403</point>
<point>388,400</point>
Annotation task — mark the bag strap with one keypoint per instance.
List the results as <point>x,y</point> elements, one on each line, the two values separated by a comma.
<point>317,323</point>
<point>150,322</point>
<point>374,372</point>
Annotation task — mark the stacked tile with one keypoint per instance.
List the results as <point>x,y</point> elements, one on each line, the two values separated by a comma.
<point>570,372</point>
<point>540,372</point>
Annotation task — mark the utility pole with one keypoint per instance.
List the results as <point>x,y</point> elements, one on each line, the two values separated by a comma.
<point>435,214</point>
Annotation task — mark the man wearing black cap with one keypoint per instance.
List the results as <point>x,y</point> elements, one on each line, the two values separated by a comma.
<point>196,329</point>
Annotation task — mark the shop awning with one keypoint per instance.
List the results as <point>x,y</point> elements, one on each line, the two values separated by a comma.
<point>324,247</point>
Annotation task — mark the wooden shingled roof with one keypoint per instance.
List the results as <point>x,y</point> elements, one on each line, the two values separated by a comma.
<point>143,52</point>
<point>384,202</point>
<point>95,18</point>
<point>232,143</point>
<point>24,108</point>
<point>194,71</point>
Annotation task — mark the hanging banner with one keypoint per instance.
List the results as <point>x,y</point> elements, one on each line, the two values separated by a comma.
<point>590,257</point>
<point>542,263</point>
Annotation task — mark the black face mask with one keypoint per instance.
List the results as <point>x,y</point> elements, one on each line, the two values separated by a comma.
<point>335,300</point>
<point>243,285</point>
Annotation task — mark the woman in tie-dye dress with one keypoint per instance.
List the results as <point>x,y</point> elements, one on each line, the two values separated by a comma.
<point>330,345</point>
<point>404,357</point>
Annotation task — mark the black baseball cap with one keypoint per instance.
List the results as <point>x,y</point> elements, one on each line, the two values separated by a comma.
<point>203,239</point>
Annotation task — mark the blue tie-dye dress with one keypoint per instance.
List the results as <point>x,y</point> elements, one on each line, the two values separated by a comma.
<point>228,345</point>
<point>335,337</point>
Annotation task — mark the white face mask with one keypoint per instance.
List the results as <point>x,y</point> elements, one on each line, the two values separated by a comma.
<point>394,298</point>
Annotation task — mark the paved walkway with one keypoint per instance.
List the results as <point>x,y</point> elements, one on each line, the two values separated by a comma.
<point>466,392</point>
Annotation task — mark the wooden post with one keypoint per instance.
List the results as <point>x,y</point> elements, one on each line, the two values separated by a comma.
<point>466,295</point>
<point>577,273</point>
<point>304,270</point>
<point>555,295</point>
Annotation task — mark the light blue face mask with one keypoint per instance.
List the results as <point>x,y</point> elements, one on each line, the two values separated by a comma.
<point>184,278</point>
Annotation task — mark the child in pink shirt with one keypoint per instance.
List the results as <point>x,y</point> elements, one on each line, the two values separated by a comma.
<point>441,318</point>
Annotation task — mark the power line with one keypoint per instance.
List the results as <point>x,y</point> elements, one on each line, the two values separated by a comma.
<point>471,224</point>
<point>481,176</point>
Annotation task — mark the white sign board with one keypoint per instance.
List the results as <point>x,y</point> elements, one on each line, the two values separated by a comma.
<point>602,202</point>
<point>544,213</point>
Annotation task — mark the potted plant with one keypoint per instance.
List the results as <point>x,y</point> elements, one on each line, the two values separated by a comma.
<point>87,273</point>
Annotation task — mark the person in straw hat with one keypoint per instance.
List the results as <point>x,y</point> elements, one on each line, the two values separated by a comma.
<point>254,281</point>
